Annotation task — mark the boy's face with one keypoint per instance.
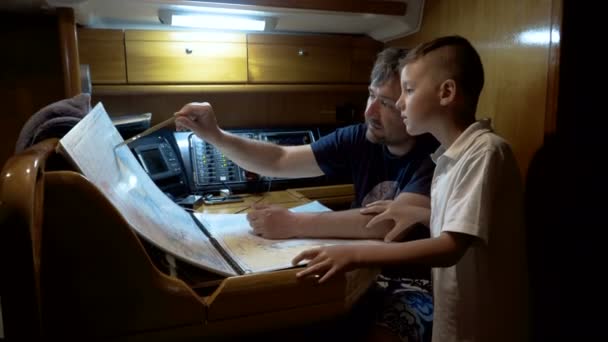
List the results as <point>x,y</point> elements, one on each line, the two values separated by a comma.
<point>383,118</point>
<point>419,98</point>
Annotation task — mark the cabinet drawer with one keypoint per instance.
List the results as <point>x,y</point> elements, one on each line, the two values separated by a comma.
<point>293,64</point>
<point>298,59</point>
<point>186,62</point>
<point>103,51</point>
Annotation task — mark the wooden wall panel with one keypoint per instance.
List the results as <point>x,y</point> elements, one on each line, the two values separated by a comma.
<point>295,64</point>
<point>32,75</point>
<point>68,47</point>
<point>179,57</point>
<point>185,62</point>
<point>512,38</point>
<point>104,51</point>
<point>246,110</point>
<point>298,59</point>
<point>364,53</point>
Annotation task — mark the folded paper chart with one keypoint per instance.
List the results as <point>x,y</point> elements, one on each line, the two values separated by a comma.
<point>220,243</point>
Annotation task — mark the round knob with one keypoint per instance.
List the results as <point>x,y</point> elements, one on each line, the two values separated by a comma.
<point>302,52</point>
<point>188,51</point>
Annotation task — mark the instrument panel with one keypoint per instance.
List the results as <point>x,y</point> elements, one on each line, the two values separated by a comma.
<point>211,168</point>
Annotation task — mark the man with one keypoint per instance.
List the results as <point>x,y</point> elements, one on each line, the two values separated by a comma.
<point>382,159</point>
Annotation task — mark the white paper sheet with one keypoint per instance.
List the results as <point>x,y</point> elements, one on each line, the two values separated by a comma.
<point>115,171</point>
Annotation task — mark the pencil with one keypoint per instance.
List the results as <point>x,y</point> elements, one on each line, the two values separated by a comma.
<point>148,131</point>
<point>250,205</point>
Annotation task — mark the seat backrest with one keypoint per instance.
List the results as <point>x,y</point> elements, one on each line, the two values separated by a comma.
<point>71,266</point>
<point>21,202</point>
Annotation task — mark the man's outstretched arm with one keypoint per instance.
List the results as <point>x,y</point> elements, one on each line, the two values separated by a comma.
<point>256,156</point>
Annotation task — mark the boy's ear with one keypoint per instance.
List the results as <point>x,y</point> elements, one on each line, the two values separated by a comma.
<point>447,92</point>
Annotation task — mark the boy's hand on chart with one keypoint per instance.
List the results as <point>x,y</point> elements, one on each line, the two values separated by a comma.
<point>272,222</point>
<point>328,261</point>
<point>404,217</point>
<point>199,118</point>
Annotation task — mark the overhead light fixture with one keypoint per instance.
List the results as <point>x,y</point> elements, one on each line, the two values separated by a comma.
<point>220,22</point>
<point>216,21</point>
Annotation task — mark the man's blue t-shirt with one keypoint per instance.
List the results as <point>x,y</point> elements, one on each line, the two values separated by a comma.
<point>375,173</point>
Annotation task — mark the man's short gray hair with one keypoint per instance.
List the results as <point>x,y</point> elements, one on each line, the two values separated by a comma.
<point>387,65</point>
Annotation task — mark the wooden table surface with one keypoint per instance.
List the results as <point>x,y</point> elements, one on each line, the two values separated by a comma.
<point>283,198</point>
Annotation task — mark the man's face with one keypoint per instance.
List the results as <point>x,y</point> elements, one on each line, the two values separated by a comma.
<point>384,124</point>
<point>419,97</point>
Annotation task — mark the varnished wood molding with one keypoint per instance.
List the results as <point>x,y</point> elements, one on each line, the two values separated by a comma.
<point>317,192</point>
<point>184,36</point>
<point>553,68</point>
<point>222,88</point>
<point>360,6</point>
<point>70,62</point>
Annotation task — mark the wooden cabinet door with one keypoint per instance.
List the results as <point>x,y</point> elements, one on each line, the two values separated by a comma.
<point>104,52</point>
<point>364,53</point>
<point>155,57</point>
<point>298,59</point>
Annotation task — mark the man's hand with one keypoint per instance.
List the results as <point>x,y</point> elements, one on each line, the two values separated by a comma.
<point>327,261</point>
<point>404,217</point>
<point>272,222</point>
<point>198,117</point>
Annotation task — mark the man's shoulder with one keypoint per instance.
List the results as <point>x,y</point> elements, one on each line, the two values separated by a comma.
<point>341,139</point>
<point>348,129</point>
<point>354,133</point>
<point>353,129</point>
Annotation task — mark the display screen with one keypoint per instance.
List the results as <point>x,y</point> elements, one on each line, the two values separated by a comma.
<point>289,139</point>
<point>154,161</point>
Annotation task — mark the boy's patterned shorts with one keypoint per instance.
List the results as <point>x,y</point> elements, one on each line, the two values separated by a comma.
<point>405,307</point>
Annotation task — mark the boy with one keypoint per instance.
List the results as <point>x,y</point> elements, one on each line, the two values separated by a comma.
<point>477,243</point>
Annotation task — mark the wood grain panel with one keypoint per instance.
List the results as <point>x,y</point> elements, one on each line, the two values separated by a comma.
<point>512,38</point>
<point>299,58</point>
<point>297,64</point>
<point>308,40</point>
<point>186,62</point>
<point>68,46</point>
<point>104,52</point>
<point>362,63</point>
<point>282,198</point>
<point>32,76</point>
<point>318,192</point>
<point>100,34</point>
<point>185,36</point>
<point>184,89</point>
<point>554,68</point>
<point>364,52</point>
<point>268,296</point>
<point>245,110</point>
<point>336,197</point>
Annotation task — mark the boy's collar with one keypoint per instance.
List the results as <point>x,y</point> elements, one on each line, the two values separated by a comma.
<point>464,140</point>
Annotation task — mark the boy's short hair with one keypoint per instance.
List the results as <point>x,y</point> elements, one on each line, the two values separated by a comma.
<point>462,63</point>
<point>386,65</point>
